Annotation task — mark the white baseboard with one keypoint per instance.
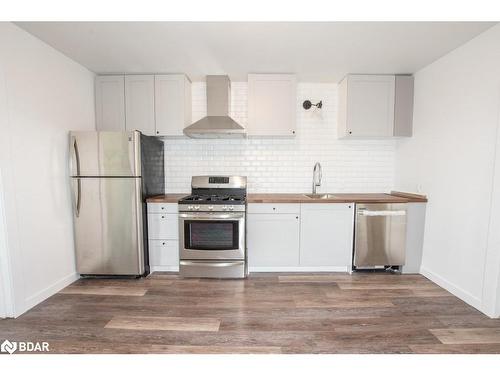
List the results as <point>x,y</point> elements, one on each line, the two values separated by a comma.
<point>45,293</point>
<point>452,288</point>
<point>266,269</point>
<point>164,269</point>
<point>299,269</point>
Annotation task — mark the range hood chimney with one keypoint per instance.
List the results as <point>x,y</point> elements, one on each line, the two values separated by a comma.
<point>217,123</point>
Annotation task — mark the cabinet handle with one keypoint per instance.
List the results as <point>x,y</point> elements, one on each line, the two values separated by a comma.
<point>274,208</point>
<point>163,217</point>
<point>157,132</point>
<point>293,131</point>
<point>350,132</point>
<point>163,243</point>
<point>296,217</point>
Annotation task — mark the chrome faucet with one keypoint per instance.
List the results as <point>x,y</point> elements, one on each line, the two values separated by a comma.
<point>316,177</point>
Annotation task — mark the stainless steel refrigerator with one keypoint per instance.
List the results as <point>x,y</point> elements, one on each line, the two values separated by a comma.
<point>112,174</point>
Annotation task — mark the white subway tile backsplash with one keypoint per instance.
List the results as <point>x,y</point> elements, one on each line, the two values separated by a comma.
<point>283,164</point>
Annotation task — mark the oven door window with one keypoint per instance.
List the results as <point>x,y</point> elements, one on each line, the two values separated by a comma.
<point>211,235</point>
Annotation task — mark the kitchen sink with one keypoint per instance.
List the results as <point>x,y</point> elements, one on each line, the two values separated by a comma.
<point>321,196</point>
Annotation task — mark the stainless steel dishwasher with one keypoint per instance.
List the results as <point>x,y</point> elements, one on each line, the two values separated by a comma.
<point>380,235</point>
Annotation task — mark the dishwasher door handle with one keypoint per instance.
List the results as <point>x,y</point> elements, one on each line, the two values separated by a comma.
<point>363,212</point>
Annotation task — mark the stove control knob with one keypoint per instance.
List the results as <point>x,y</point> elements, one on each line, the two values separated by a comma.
<point>190,207</point>
<point>210,208</point>
<point>231,208</point>
<point>224,208</point>
<point>197,208</point>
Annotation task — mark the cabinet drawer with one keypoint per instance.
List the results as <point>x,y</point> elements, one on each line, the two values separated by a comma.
<point>161,208</point>
<point>274,208</point>
<point>164,253</point>
<point>317,207</point>
<point>163,227</point>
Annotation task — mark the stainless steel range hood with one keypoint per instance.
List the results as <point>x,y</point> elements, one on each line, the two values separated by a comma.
<point>217,123</point>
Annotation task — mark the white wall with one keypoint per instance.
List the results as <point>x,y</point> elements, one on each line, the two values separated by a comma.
<point>491,289</point>
<point>4,272</point>
<point>286,164</point>
<point>45,95</point>
<point>6,301</point>
<point>451,158</point>
<point>5,282</point>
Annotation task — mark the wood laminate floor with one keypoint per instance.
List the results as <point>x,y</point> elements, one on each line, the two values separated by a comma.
<point>266,313</point>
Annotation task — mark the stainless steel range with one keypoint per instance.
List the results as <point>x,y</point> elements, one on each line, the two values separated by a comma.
<point>212,228</point>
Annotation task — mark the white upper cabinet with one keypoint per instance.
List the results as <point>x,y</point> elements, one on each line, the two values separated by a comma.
<point>110,102</point>
<point>153,104</point>
<point>140,103</point>
<point>272,101</point>
<point>403,106</point>
<point>373,106</point>
<point>172,104</point>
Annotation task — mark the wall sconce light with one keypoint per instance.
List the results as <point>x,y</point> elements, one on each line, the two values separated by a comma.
<point>307,104</point>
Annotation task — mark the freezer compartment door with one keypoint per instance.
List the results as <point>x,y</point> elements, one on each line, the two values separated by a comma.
<point>102,154</point>
<point>380,235</point>
<point>108,226</point>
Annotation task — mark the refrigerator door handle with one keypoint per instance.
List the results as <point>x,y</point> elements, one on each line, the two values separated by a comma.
<point>75,152</point>
<point>77,201</point>
<point>74,157</point>
<point>77,156</point>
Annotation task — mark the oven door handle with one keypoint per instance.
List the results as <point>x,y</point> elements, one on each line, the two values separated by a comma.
<point>217,216</point>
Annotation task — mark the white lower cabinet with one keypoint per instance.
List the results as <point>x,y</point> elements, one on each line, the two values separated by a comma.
<point>326,235</point>
<point>273,236</point>
<point>415,225</point>
<point>300,237</point>
<point>163,236</point>
<point>164,255</point>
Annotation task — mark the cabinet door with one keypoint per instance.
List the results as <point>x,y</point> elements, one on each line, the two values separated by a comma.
<point>172,104</point>
<point>139,103</point>
<point>370,105</point>
<point>164,253</point>
<point>110,103</point>
<point>272,101</point>
<point>326,233</point>
<point>273,240</point>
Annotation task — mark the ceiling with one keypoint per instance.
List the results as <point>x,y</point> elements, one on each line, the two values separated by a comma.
<point>315,51</point>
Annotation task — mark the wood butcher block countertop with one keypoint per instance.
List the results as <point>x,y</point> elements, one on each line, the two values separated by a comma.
<point>336,198</point>
<point>393,197</point>
<point>167,198</point>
